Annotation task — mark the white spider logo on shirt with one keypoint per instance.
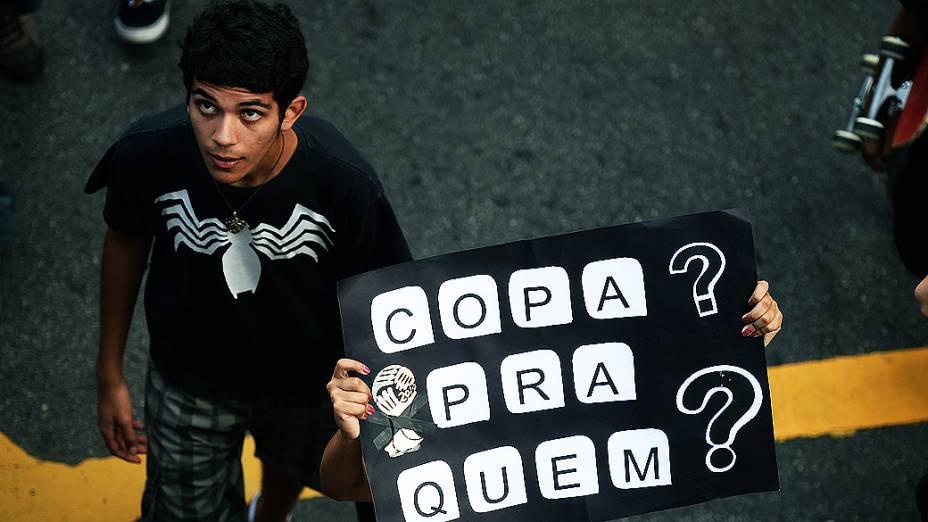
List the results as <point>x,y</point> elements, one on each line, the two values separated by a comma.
<point>306,232</point>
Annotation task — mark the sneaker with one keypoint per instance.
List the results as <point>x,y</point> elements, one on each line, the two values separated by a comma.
<point>6,217</point>
<point>21,55</point>
<point>142,21</point>
<point>253,506</point>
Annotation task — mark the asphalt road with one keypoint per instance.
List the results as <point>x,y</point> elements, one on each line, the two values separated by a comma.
<point>496,121</point>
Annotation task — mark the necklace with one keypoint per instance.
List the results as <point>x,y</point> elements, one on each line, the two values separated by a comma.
<point>234,223</point>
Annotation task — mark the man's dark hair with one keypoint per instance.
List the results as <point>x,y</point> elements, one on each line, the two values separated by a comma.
<point>246,44</point>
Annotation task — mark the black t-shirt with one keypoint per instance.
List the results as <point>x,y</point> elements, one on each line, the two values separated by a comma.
<point>254,314</point>
<point>918,7</point>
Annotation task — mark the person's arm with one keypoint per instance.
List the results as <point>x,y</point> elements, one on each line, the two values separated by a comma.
<point>341,472</point>
<point>122,266</point>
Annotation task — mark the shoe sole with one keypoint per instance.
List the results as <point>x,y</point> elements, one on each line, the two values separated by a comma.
<point>144,35</point>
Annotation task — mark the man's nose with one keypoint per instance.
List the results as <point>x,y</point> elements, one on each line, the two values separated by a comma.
<point>224,133</point>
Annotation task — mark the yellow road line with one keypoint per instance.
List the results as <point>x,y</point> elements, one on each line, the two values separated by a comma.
<point>94,490</point>
<point>830,397</point>
<point>842,395</point>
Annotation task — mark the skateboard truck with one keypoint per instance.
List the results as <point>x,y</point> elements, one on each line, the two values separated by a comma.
<point>881,91</point>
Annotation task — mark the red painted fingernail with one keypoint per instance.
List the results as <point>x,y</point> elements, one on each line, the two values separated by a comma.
<point>746,331</point>
<point>370,409</point>
<point>366,370</point>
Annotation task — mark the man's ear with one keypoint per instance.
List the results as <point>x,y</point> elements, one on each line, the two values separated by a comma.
<point>293,112</point>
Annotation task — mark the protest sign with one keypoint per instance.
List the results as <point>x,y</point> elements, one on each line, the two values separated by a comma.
<point>586,376</point>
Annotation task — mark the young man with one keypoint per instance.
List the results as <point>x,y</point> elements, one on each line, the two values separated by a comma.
<point>247,215</point>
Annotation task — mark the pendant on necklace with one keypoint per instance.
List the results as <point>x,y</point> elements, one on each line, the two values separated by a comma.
<point>235,224</point>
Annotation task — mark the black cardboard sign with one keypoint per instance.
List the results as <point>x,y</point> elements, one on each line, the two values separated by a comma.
<point>587,376</point>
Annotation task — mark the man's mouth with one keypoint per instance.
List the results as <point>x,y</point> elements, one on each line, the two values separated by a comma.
<point>224,162</point>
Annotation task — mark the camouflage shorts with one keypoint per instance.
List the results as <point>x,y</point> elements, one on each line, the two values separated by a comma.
<point>195,447</point>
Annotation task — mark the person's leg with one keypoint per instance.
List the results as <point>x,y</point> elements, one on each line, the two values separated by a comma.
<point>194,456</point>
<point>279,492</point>
<point>289,441</point>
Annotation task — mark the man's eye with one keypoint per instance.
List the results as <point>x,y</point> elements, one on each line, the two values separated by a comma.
<point>251,115</point>
<point>206,107</point>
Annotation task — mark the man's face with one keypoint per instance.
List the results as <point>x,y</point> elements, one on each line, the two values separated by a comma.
<point>237,131</point>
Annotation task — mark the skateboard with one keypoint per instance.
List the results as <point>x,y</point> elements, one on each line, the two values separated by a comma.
<point>895,115</point>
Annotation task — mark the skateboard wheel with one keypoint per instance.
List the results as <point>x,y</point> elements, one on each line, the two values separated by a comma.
<point>845,141</point>
<point>869,63</point>
<point>868,129</point>
<point>894,47</point>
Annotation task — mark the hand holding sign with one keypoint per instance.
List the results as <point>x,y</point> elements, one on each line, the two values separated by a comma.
<point>765,318</point>
<point>350,396</point>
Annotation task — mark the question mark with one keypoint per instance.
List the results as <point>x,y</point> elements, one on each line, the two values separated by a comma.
<point>709,256</point>
<point>744,419</point>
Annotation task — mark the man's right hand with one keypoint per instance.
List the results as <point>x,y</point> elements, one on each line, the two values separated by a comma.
<point>114,418</point>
